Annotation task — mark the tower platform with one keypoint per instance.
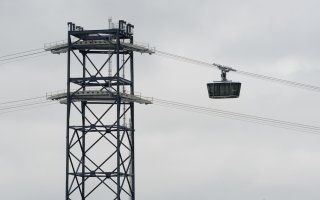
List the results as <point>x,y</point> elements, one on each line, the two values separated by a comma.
<point>62,46</point>
<point>98,96</point>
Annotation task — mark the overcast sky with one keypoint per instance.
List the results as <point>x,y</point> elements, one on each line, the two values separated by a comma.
<point>179,155</point>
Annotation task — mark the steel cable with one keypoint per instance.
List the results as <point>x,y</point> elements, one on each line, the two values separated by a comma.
<point>16,105</point>
<point>239,116</point>
<point>29,107</point>
<point>21,56</point>
<point>22,52</point>
<point>254,75</point>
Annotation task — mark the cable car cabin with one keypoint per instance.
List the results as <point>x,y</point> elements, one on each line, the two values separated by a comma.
<point>224,89</point>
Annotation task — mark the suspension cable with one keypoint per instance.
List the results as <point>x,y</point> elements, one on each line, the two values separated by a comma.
<point>300,127</point>
<point>238,116</point>
<point>253,75</point>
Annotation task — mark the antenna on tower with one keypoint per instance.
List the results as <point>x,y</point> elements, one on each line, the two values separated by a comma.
<point>110,62</point>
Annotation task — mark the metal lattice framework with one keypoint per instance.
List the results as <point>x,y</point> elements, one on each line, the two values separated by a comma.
<point>100,112</point>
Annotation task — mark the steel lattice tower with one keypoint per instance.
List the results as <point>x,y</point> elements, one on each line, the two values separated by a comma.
<point>100,112</point>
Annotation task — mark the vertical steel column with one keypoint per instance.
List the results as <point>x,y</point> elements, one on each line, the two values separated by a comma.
<point>83,111</point>
<point>68,112</point>
<point>118,117</point>
<point>132,172</point>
